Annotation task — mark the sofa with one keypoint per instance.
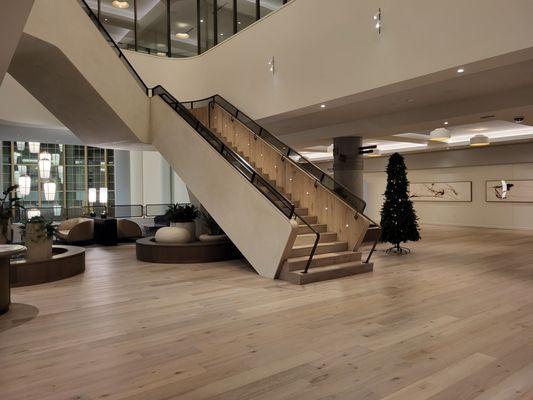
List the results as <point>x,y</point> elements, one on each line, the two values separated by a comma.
<point>128,229</point>
<point>75,230</point>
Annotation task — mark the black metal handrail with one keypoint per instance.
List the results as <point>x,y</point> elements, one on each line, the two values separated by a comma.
<point>292,155</point>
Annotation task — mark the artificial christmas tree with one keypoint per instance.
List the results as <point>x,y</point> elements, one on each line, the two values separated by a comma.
<point>399,222</point>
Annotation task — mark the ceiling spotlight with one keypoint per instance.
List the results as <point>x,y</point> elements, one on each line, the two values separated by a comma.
<point>460,70</point>
<point>183,35</point>
<point>239,22</point>
<point>439,135</point>
<point>479,140</point>
<point>446,122</point>
<point>322,106</point>
<point>120,4</point>
<point>202,20</point>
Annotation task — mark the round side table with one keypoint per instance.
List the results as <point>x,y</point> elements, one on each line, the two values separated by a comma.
<point>6,251</point>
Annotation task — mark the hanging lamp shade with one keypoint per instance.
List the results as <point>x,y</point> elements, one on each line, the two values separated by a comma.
<point>45,163</point>
<point>21,146</point>
<point>24,182</point>
<point>57,210</point>
<point>33,213</point>
<point>34,147</point>
<point>103,195</point>
<point>49,189</point>
<point>440,135</point>
<point>92,195</point>
<point>55,159</point>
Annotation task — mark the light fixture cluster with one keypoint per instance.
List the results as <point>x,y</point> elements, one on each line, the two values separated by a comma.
<point>120,4</point>
<point>444,135</point>
<point>377,20</point>
<point>271,64</point>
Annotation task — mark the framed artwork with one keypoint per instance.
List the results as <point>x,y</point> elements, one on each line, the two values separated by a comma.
<point>441,191</point>
<point>509,191</point>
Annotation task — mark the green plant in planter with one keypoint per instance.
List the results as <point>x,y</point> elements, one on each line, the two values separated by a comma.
<point>9,202</point>
<point>45,230</point>
<point>212,227</point>
<point>182,212</point>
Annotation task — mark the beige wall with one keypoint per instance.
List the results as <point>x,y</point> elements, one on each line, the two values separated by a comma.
<point>12,19</point>
<point>330,51</point>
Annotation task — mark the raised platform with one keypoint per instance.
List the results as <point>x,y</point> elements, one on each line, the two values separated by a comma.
<point>66,261</point>
<point>182,253</point>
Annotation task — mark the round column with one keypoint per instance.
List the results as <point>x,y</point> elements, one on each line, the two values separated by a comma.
<point>348,163</point>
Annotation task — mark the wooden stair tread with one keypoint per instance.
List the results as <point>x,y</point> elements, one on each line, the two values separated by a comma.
<point>327,272</point>
<point>321,256</point>
<point>324,244</point>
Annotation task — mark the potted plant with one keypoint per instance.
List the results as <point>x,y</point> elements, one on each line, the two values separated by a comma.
<point>183,216</point>
<point>8,203</point>
<point>214,231</point>
<point>38,235</point>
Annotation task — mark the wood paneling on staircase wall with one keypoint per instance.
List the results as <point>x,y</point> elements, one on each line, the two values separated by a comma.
<point>342,219</point>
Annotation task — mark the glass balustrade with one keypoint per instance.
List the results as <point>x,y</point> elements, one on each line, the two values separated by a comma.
<point>177,28</point>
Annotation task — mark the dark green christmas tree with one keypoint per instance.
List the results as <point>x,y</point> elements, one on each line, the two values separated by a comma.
<point>399,222</point>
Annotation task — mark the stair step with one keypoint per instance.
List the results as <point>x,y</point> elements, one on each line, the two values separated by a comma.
<point>317,227</point>
<point>309,238</point>
<point>319,260</point>
<point>310,219</point>
<point>327,272</point>
<point>305,250</point>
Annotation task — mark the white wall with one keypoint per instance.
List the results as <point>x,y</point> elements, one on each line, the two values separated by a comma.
<point>328,51</point>
<point>151,179</point>
<point>476,213</point>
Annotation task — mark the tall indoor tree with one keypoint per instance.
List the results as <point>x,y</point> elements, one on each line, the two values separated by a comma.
<point>399,223</point>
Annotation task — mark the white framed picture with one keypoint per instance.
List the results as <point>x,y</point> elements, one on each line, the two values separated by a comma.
<point>441,191</point>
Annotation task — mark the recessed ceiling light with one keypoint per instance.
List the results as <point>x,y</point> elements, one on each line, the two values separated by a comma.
<point>120,4</point>
<point>201,20</point>
<point>105,19</point>
<point>439,135</point>
<point>446,122</point>
<point>479,140</point>
<point>460,70</point>
<point>322,106</point>
<point>239,22</point>
<point>221,34</point>
<point>183,35</point>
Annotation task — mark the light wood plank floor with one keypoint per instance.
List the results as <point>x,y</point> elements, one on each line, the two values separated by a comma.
<point>453,320</point>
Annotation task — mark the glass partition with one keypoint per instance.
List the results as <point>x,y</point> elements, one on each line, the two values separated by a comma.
<point>118,17</point>
<point>152,30</point>
<point>183,30</point>
<point>224,20</point>
<point>177,28</point>
<point>246,13</point>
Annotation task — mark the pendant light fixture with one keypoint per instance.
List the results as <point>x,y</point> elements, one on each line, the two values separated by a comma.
<point>440,135</point>
<point>34,147</point>
<point>21,146</point>
<point>49,189</point>
<point>479,140</point>
<point>24,182</point>
<point>45,163</point>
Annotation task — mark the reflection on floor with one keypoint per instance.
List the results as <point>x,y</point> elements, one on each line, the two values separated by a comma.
<point>453,320</point>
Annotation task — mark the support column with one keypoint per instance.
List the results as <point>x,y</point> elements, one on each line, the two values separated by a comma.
<point>348,163</point>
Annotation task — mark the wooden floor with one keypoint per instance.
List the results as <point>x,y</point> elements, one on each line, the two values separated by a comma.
<point>453,320</point>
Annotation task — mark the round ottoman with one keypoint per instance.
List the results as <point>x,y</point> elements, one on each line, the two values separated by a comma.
<point>171,234</point>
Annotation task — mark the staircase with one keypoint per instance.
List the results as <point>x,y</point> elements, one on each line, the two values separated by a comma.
<point>332,257</point>
<point>300,225</point>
